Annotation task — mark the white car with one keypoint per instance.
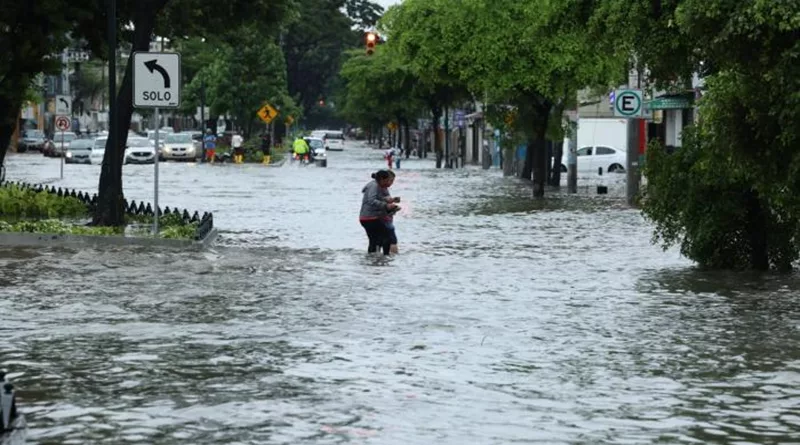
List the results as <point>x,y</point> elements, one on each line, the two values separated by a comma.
<point>140,151</point>
<point>61,141</point>
<point>98,150</point>
<point>591,160</point>
<point>79,151</point>
<point>334,140</point>
<point>179,146</point>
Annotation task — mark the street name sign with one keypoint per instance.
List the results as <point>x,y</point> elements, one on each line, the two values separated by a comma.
<point>628,103</point>
<point>156,80</point>
<point>267,113</point>
<point>63,105</point>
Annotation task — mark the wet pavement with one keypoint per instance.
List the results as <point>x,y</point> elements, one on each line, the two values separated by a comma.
<point>503,320</point>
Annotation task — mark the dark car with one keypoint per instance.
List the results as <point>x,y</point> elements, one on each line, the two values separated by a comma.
<point>31,140</point>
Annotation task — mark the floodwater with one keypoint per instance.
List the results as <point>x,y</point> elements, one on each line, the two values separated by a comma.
<point>502,321</point>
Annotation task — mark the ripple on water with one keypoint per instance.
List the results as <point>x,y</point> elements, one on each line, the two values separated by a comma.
<point>503,320</point>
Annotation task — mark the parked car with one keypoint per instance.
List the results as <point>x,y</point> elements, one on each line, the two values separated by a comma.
<point>179,146</point>
<point>318,151</point>
<point>593,160</point>
<point>31,140</point>
<point>79,151</point>
<point>58,145</point>
<point>140,151</point>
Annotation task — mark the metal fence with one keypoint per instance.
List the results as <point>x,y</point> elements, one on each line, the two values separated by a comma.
<point>205,222</point>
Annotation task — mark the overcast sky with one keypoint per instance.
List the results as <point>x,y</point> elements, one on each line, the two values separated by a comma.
<point>387,3</point>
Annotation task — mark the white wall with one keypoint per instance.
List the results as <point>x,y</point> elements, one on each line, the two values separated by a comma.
<point>673,121</point>
<point>611,132</point>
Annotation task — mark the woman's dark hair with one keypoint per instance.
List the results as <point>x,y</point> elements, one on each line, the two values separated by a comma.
<point>382,175</point>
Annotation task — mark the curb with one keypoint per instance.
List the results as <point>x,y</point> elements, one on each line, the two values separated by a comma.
<point>51,239</point>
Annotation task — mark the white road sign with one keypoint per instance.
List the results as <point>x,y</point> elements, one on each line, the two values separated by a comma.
<point>63,123</point>
<point>628,103</point>
<point>156,80</point>
<point>63,105</point>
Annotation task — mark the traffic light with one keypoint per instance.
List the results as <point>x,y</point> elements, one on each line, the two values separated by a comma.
<point>372,39</point>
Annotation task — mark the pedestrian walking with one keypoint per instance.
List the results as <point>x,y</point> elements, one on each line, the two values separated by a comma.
<point>210,145</point>
<point>376,207</point>
<point>266,148</point>
<point>389,156</point>
<point>238,151</point>
<point>398,156</point>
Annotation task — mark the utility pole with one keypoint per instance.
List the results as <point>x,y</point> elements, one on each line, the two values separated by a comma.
<point>636,132</point>
<point>572,158</point>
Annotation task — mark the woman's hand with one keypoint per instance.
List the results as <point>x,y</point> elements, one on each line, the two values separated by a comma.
<point>389,199</point>
<point>391,205</point>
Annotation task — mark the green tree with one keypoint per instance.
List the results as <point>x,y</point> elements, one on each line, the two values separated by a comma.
<point>533,56</point>
<point>729,195</point>
<point>315,41</point>
<point>172,21</point>
<point>30,34</point>
<point>239,76</point>
<point>423,35</point>
<point>379,89</point>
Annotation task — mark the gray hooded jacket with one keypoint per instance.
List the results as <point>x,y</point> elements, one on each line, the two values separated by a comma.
<point>373,204</point>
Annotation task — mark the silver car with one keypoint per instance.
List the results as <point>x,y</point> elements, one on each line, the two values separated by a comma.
<point>179,146</point>
<point>140,151</point>
<point>79,151</point>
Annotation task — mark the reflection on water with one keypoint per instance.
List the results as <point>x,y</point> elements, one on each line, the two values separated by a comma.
<point>502,321</point>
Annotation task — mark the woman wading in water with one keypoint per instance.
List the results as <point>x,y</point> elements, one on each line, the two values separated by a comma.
<point>377,208</point>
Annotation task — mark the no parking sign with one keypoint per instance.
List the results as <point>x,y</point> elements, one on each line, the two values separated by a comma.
<point>63,123</point>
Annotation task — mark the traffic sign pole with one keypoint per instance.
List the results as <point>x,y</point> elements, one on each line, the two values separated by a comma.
<point>155,177</point>
<point>156,84</point>
<point>63,124</point>
<point>63,154</point>
<point>633,175</point>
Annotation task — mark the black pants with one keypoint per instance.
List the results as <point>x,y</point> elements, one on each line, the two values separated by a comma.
<point>378,235</point>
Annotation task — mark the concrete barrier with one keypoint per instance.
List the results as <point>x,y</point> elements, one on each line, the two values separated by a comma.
<point>49,240</point>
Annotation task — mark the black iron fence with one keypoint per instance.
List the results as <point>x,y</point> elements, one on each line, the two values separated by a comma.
<point>205,222</point>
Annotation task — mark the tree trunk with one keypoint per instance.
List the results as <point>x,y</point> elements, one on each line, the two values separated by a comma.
<point>507,155</point>
<point>437,143</point>
<point>527,168</point>
<point>407,146</point>
<point>548,164</point>
<point>110,209</point>
<point>755,225</point>
<point>13,86</point>
<point>539,144</point>
<point>558,156</point>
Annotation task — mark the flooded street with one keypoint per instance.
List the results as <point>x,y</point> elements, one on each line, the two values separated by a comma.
<point>503,320</point>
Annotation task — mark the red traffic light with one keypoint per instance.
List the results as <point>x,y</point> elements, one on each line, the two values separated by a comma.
<point>372,39</point>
